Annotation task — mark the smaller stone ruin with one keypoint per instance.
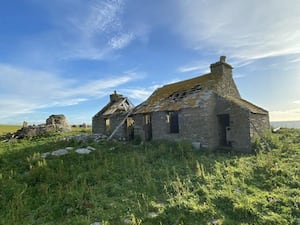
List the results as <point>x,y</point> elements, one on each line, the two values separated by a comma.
<point>55,123</point>
<point>59,123</point>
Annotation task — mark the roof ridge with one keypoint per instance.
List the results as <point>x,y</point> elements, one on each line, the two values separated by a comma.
<point>248,105</point>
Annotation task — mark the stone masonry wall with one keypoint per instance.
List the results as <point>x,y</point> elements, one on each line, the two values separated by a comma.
<point>239,124</point>
<point>259,124</point>
<point>227,87</point>
<point>139,126</point>
<point>195,124</point>
<point>98,125</point>
<point>160,127</point>
<point>115,120</point>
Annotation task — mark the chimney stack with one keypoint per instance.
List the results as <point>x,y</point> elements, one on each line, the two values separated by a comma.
<point>115,97</point>
<point>221,67</point>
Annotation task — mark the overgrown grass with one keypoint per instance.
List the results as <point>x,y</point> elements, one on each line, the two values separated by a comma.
<point>153,183</point>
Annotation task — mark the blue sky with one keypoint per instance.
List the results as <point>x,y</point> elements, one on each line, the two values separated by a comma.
<point>67,56</point>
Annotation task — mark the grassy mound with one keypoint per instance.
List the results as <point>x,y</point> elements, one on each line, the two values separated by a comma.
<point>154,183</point>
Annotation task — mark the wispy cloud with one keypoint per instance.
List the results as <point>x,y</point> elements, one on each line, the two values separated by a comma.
<point>194,67</point>
<point>90,30</point>
<point>230,27</point>
<point>121,41</point>
<point>139,94</point>
<point>295,60</point>
<point>21,93</point>
<point>100,30</point>
<point>102,16</point>
<point>285,115</point>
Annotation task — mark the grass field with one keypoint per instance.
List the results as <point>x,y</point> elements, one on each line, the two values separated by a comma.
<point>153,183</point>
<point>8,128</point>
<point>4,129</point>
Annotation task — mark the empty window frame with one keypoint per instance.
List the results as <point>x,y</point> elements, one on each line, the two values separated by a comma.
<point>172,120</point>
<point>107,124</point>
<point>147,119</point>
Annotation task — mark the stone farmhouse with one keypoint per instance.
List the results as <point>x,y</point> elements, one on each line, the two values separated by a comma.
<point>206,110</point>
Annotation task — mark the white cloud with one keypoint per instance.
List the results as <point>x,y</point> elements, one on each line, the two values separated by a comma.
<point>198,67</point>
<point>92,30</point>
<point>98,32</point>
<point>121,41</point>
<point>242,29</point>
<point>295,60</point>
<point>102,17</point>
<point>296,102</point>
<point>140,94</point>
<point>285,115</point>
<point>25,91</point>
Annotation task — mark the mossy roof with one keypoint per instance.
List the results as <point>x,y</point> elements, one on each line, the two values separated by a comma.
<point>183,94</point>
<point>189,94</point>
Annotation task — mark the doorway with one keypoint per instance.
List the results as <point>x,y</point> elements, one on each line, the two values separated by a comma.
<point>224,130</point>
<point>129,128</point>
<point>148,127</point>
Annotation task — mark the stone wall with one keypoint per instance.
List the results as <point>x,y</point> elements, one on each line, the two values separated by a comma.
<point>195,124</point>
<point>99,126</point>
<point>259,124</point>
<point>139,126</point>
<point>239,124</point>
<point>161,128</point>
<point>227,87</point>
<point>115,120</point>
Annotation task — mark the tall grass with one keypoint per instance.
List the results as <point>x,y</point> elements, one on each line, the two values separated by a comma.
<point>153,183</point>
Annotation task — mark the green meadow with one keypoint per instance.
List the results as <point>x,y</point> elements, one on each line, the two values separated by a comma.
<point>151,183</point>
<point>8,128</point>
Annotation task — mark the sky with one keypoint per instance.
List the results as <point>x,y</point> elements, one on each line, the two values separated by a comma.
<point>67,56</point>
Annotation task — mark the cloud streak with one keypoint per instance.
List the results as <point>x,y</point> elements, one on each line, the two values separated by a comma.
<point>242,29</point>
<point>89,30</point>
<point>285,115</point>
<point>25,91</point>
<point>100,31</point>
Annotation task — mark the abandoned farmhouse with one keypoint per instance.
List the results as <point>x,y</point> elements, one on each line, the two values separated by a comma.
<point>207,110</point>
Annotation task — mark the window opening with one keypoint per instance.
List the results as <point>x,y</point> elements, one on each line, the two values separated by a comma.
<point>172,119</point>
<point>107,124</point>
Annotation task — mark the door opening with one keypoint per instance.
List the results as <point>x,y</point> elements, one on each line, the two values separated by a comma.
<point>224,130</point>
<point>129,128</point>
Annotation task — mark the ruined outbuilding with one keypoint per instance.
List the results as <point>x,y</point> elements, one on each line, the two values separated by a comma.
<point>207,110</point>
<point>54,123</point>
<point>115,115</point>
